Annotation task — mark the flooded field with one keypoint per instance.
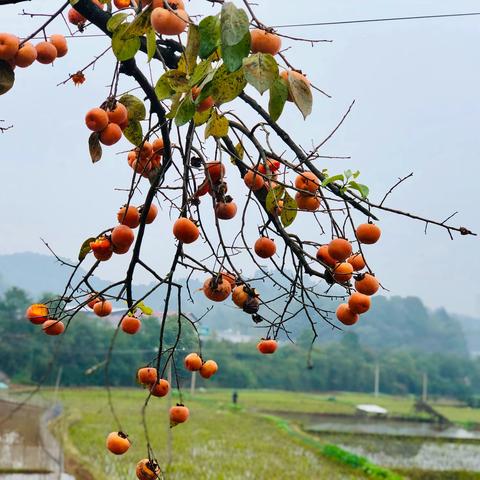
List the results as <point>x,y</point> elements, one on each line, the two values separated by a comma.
<point>400,444</point>
<point>362,425</point>
<point>410,452</point>
<point>26,446</point>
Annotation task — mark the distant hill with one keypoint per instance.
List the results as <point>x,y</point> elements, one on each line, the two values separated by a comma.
<point>36,273</point>
<point>406,322</point>
<point>392,323</point>
<point>471,326</point>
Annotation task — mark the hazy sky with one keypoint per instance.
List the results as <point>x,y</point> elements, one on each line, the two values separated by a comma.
<point>417,109</point>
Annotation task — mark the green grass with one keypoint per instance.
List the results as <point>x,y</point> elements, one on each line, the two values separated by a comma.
<point>277,400</point>
<point>459,414</point>
<point>336,403</point>
<point>218,442</point>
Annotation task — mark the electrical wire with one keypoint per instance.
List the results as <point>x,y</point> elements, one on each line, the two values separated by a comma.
<point>373,20</point>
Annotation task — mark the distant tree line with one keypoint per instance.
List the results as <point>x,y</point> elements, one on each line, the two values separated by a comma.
<point>26,353</point>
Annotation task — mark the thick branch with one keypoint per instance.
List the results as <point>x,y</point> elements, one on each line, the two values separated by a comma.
<point>165,48</point>
<point>11,2</point>
<point>130,68</point>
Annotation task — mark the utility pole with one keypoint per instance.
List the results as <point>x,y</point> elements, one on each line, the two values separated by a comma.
<point>425,387</point>
<point>377,380</point>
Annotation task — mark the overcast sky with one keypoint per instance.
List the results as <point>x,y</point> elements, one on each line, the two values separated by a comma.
<point>417,109</point>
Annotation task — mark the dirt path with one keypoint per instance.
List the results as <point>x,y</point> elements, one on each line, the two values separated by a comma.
<point>26,445</point>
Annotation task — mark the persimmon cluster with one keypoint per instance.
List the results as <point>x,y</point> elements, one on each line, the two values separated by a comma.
<point>337,256</point>
<point>118,443</point>
<point>147,157</point>
<point>23,54</point>
<point>108,121</point>
<point>120,238</point>
<point>39,314</point>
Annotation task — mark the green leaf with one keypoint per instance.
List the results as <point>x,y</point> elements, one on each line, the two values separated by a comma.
<point>273,196</point>
<point>186,111</point>
<point>301,93</point>
<point>363,189</point>
<point>356,174</point>
<point>171,82</point>
<point>348,174</point>
<point>163,88</point>
<point>85,248</point>
<point>209,29</point>
<point>135,107</point>
<point>233,55</point>
<point>334,178</point>
<point>94,147</point>
<point>151,43</point>
<point>7,77</point>
<point>200,72</point>
<point>177,80</point>
<point>134,133</point>
<point>217,126</point>
<point>234,24</point>
<point>115,20</point>
<point>201,117</point>
<point>225,86</point>
<point>124,49</point>
<point>289,210</point>
<point>261,71</point>
<point>188,59</point>
<point>139,26</point>
<point>278,97</point>
<point>145,309</point>
<point>240,152</point>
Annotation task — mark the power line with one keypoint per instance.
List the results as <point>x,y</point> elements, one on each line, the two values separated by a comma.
<point>372,20</point>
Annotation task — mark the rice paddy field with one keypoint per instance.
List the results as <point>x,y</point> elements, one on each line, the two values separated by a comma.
<point>264,436</point>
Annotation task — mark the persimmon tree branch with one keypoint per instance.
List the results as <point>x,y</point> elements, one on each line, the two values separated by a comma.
<point>45,25</point>
<point>301,155</point>
<point>12,2</point>
<point>148,202</point>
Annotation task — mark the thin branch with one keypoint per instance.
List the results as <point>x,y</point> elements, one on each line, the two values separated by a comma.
<point>50,20</point>
<point>400,180</point>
